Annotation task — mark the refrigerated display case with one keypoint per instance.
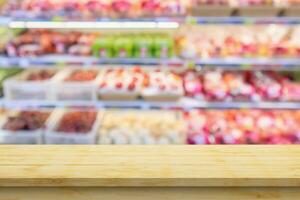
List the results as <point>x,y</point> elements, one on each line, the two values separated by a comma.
<point>151,74</point>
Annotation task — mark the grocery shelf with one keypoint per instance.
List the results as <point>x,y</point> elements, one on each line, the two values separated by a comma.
<point>248,62</point>
<point>142,23</point>
<point>184,103</point>
<point>69,59</point>
<point>242,20</point>
<point>236,63</point>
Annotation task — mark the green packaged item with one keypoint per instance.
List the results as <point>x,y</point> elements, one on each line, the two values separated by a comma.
<point>143,46</point>
<point>103,47</point>
<point>123,47</point>
<point>163,46</point>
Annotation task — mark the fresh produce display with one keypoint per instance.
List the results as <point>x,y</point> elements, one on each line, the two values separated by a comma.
<point>246,126</point>
<point>134,45</point>
<point>142,127</point>
<point>77,122</point>
<point>150,84</point>
<point>92,9</point>
<point>243,127</point>
<point>43,42</point>
<point>257,41</point>
<point>131,83</point>
<point>26,120</point>
<point>39,42</point>
<point>218,85</point>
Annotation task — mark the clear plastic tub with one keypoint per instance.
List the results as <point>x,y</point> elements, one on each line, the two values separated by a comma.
<point>75,90</point>
<point>18,88</point>
<point>52,136</point>
<point>21,136</point>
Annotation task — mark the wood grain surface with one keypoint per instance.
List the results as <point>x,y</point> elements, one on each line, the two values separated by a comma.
<point>170,193</point>
<point>155,166</point>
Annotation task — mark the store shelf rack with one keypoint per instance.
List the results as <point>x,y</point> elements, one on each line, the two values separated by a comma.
<point>183,103</point>
<point>237,63</point>
<point>160,22</point>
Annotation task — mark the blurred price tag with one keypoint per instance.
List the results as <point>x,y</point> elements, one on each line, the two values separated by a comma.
<point>23,62</point>
<point>190,65</point>
<point>246,66</point>
<point>61,64</point>
<point>191,20</point>
<point>57,19</point>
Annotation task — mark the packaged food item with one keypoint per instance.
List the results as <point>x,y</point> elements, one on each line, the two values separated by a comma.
<point>121,83</point>
<point>123,47</point>
<point>103,47</point>
<point>73,127</point>
<point>142,127</point>
<point>143,46</point>
<point>31,84</point>
<point>163,46</point>
<point>23,127</point>
<point>162,85</point>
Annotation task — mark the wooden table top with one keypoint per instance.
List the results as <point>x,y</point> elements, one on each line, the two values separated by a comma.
<point>209,166</point>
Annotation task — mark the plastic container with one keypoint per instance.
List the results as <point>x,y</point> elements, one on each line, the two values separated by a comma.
<point>18,88</point>
<point>21,136</point>
<point>54,137</point>
<point>75,90</point>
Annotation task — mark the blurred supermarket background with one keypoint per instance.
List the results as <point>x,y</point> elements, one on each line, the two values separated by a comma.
<point>150,72</point>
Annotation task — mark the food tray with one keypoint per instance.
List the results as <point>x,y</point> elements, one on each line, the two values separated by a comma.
<point>21,137</point>
<point>18,88</point>
<point>123,134</point>
<point>212,11</point>
<point>54,137</point>
<point>73,90</point>
<point>259,11</point>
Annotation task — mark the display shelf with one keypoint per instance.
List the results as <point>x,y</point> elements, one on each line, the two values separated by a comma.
<point>150,23</point>
<point>242,63</point>
<point>248,62</point>
<point>25,62</point>
<point>183,103</point>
